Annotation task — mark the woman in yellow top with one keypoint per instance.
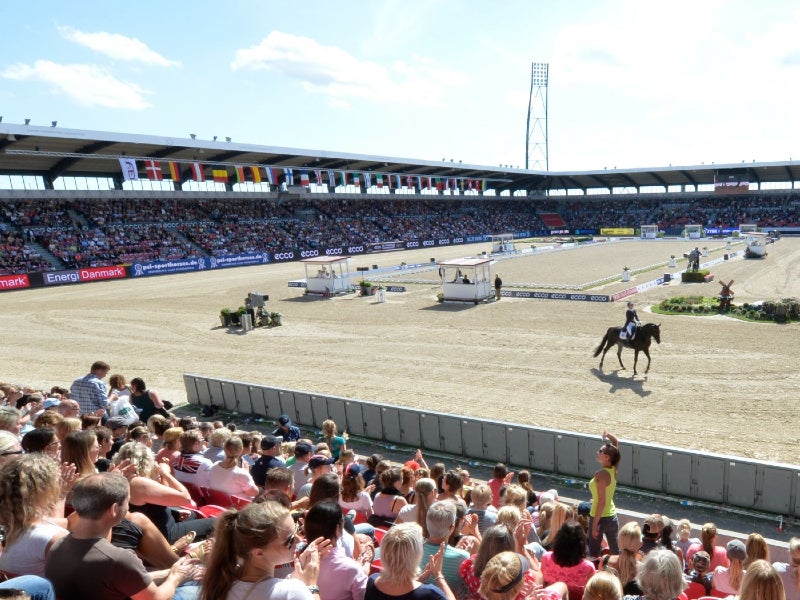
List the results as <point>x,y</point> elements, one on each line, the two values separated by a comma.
<point>603,514</point>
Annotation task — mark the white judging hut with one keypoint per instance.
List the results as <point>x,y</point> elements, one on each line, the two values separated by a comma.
<point>327,275</point>
<point>466,279</point>
<point>502,242</point>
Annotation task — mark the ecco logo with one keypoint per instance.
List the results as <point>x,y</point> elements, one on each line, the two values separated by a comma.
<point>330,251</point>
<point>284,256</point>
<point>444,242</point>
<point>355,249</point>
<point>308,253</point>
<point>577,297</point>
<point>412,245</point>
<point>428,243</point>
<point>458,240</point>
<point>523,294</point>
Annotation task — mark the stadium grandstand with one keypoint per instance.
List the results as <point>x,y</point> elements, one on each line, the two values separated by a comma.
<point>129,205</point>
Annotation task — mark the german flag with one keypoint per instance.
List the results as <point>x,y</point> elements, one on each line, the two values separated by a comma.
<point>174,171</point>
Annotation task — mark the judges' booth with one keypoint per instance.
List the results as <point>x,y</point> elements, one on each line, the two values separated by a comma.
<point>466,279</point>
<point>327,275</point>
<point>503,242</point>
<point>745,228</point>
<point>649,232</point>
<point>693,232</point>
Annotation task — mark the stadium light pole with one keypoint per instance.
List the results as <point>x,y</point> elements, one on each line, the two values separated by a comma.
<point>537,118</point>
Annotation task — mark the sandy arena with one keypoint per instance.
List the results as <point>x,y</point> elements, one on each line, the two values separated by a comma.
<point>716,383</point>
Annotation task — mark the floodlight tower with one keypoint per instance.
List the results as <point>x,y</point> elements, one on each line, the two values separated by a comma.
<point>536,152</point>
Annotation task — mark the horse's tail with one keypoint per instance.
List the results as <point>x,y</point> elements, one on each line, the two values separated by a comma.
<point>600,347</point>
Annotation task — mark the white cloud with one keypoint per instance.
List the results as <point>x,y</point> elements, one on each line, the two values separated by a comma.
<point>334,72</point>
<point>88,85</point>
<point>117,46</point>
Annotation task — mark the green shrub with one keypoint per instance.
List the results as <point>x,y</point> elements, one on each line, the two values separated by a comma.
<point>694,276</point>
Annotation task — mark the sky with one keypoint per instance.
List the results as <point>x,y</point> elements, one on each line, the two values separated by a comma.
<point>631,83</point>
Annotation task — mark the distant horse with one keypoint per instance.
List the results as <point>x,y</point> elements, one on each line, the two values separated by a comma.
<point>640,343</point>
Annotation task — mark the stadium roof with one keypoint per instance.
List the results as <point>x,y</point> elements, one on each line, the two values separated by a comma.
<point>54,152</point>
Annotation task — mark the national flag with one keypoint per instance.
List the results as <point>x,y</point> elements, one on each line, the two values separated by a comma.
<point>419,183</point>
<point>367,180</point>
<point>256,172</point>
<point>174,171</point>
<point>198,174</point>
<point>272,175</point>
<point>483,185</point>
<point>289,176</point>
<point>439,184</point>
<point>332,180</point>
<point>343,175</point>
<point>409,182</point>
<point>304,178</point>
<point>469,184</point>
<point>153,169</point>
<point>240,178</point>
<point>318,175</point>
<point>399,181</point>
<point>379,180</point>
<point>220,175</point>
<point>356,180</point>
<point>129,169</point>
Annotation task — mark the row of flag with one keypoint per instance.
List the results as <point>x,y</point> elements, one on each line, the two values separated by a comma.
<point>159,170</point>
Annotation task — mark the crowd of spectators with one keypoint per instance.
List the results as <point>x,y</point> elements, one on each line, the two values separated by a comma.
<point>82,233</point>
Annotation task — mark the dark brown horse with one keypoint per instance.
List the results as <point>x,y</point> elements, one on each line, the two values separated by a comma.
<point>640,343</point>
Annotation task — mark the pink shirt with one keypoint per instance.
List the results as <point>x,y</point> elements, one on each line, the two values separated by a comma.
<point>574,577</point>
<point>341,577</point>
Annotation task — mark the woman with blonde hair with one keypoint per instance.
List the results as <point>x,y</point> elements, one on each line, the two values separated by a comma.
<point>401,555</point>
<point>248,545</point>
<point>509,516</point>
<point>790,572</point>
<point>625,564</point>
<point>708,542</point>
<point>228,476</point>
<point>31,494</point>
<point>81,448</point>
<point>603,585</point>
<point>330,435</point>
<point>503,578</point>
<point>560,515</point>
<point>728,580</point>
<point>757,549</point>
<point>762,582</point>
<point>170,447</point>
<point>424,496</point>
<point>67,425</point>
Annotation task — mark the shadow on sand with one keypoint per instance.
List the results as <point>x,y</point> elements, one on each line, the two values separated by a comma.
<point>616,382</point>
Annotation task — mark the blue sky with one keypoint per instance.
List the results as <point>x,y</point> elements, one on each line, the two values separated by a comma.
<point>632,83</point>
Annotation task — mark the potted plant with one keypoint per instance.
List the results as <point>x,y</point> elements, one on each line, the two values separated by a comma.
<point>366,288</point>
<point>626,274</point>
<point>275,319</point>
<point>225,317</point>
<point>672,261</point>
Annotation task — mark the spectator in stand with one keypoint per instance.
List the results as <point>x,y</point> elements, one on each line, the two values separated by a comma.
<point>81,449</point>
<point>625,564</point>
<point>32,493</point>
<point>762,582</point>
<point>401,553</point>
<point>700,574</point>
<point>567,561</point>
<point>216,444</point>
<point>191,466</point>
<point>708,535</point>
<point>790,572</point>
<point>270,449</point>
<point>353,496</point>
<point>660,577</point>
<point>524,480</point>
<point>42,440</point>
<point>389,501</point>
<point>603,585</point>
<point>603,515</point>
<point>481,497</point>
<point>331,436</point>
<point>497,539</point>
<point>561,514</point>
<point>318,465</point>
<point>286,430</point>
<point>501,477</point>
<point>503,578</point>
<point>147,402</point>
<point>340,577</point>
<point>729,580</point>
<point>424,497</point>
<point>303,451</point>
<point>452,484</point>
<point>90,391</point>
<point>441,520</point>
<point>684,538</point>
<point>371,462</point>
<point>228,476</point>
<point>66,426</point>
<point>757,549</point>
<point>171,447</point>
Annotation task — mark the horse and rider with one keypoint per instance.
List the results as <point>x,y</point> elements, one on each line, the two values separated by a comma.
<point>632,335</point>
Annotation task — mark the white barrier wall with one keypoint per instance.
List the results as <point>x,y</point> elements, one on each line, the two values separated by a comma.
<point>735,481</point>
